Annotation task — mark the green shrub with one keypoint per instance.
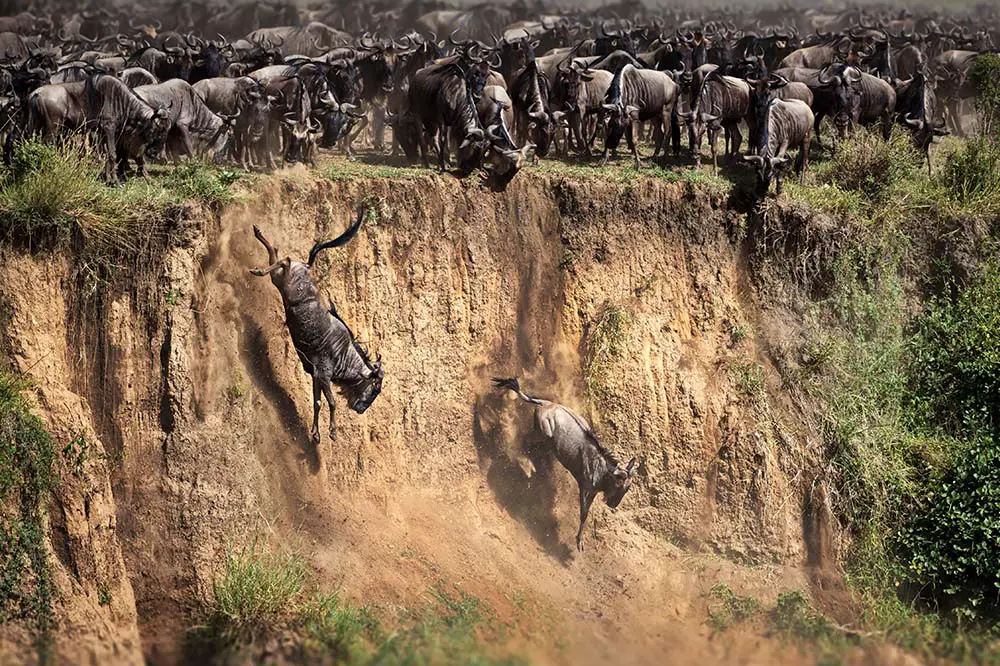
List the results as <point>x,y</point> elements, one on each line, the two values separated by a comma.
<point>257,588</point>
<point>605,345</point>
<point>971,175</point>
<point>51,193</point>
<point>26,456</point>
<point>730,608</point>
<point>868,164</point>
<point>954,362</point>
<point>985,77</point>
<point>203,182</point>
<point>953,546</point>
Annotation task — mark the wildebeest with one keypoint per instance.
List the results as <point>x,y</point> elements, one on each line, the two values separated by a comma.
<point>916,109</point>
<point>194,128</point>
<point>638,95</point>
<point>595,469</point>
<point>125,124</point>
<point>442,96</point>
<point>328,350</point>
<point>781,125</point>
<point>721,103</point>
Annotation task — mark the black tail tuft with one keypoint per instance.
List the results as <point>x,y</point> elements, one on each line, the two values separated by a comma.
<point>340,240</point>
<point>508,384</point>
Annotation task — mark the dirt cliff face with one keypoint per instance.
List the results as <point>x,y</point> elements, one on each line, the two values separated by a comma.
<point>628,302</point>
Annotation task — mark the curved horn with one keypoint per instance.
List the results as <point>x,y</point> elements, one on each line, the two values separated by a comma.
<point>824,76</point>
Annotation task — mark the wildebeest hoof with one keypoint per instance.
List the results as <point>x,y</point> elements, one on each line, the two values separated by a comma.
<point>258,272</point>
<point>333,434</point>
<point>315,437</point>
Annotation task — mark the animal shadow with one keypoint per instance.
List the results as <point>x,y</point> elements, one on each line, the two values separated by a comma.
<point>253,352</point>
<point>530,500</point>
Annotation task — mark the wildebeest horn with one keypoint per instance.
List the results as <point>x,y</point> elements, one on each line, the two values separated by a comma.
<point>912,122</point>
<point>777,81</point>
<point>367,37</point>
<point>852,75</point>
<point>340,240</point>
<point>824,76</point>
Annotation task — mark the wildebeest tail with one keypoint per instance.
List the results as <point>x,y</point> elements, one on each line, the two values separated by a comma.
<point>513,385</point>
<point>340,240</point>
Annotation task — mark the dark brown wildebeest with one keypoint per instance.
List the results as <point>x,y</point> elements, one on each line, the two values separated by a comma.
<point>325,345</point>
<point>595,469</point>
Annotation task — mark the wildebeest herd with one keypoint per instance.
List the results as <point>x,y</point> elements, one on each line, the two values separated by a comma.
<point>487,87</point>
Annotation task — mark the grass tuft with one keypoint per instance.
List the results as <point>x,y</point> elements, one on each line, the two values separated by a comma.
<point>26,480</point>
<point>605,345</point>
<point>257,588</point>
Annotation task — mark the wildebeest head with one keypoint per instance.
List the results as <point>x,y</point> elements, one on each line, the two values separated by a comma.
<point>843,80</point>
<point>471,151</point>
<point>764,170</point>
<point>621,481</point>
<point>337,120</point>
<point>362,394</point>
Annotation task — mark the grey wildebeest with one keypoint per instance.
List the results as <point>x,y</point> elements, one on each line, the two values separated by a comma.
<point>781,124</point>
<point>722,102</point>
<point>639,95</point>
<point>325,345</point>
<point>595,469</point>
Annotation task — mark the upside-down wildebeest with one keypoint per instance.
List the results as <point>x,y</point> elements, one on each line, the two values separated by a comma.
<point>595,469</point>
<point>328,350</point>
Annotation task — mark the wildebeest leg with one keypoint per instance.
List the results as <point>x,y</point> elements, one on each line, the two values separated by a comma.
<point>317,390</point>
<point>587,496</point>
<point>816,122</point>
<point>328,394</point>
<point>109,146</point>
<point>378,128</point>
<point>442,148</point>
<point>737,140</point>
<point>272,252</point>
<point>713,137</point>
<point>886,126</point>
<point>630,139</point>
<point>803,160</point>
<point>675,133</point>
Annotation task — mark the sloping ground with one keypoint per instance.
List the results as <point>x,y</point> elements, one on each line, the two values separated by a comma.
<point>629,302</point>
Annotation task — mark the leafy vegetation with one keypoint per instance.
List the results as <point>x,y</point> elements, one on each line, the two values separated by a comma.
<point>26,478</point>
<point>260,593</point>
<point>985,77</point>
<point>605,345</point>
<point>728,608</point>
<point>51,195</point>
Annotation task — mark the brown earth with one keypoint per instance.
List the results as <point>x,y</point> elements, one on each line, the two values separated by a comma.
<point>200,409</point>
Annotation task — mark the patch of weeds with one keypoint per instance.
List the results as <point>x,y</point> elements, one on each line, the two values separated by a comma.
<point>645,285</point>
<point>605,346</point>
<point>26,480</point>
<point>567,261</point>
<point>201,181</point>
<point>256,589</point>
<point>171,298</point>
<point>342,169</point>
<point>49,194</point>
<point>76,453</point>
<point>738,334</point>
<point>971,176</point>
<point>748,378</point>
<point>103,595</point>
<point>868,164</point>
<point>728,608</point>
<point>336,629</point>
<point>238,389</point>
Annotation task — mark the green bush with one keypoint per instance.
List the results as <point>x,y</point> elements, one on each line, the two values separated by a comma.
<point>256,588</point>
<point>954,362</point>
<point>952,548</point>
<point>971,175</point>
<point>868,164</point>
<point>985,77</point>
<point>26,455</point>
<point>203,182</point>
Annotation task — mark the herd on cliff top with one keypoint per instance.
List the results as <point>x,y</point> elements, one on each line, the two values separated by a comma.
<point>484,89</point>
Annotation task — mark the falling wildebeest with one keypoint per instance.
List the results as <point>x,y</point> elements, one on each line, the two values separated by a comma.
<point>325,345</point>
<point>594,467</point>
